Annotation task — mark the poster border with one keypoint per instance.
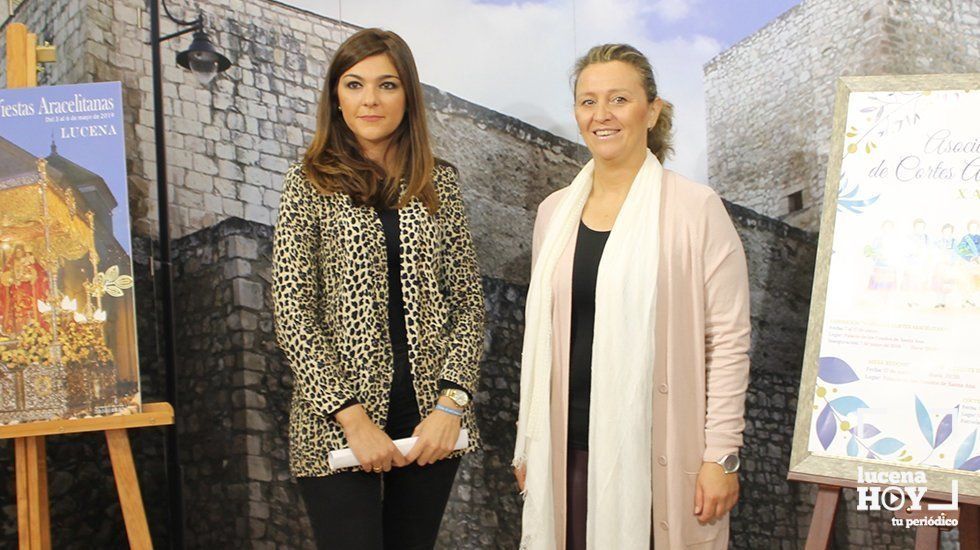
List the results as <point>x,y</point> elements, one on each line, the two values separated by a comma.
<point>804,464</point>
<point>134,402</point>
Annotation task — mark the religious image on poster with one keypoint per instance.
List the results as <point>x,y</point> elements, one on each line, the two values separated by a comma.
<point>67,313</point>
<point>898,376</point>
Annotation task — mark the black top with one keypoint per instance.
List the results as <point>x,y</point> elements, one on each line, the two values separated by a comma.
<point>585,269</point>
<point>403,409</point>
<point>396,304</point>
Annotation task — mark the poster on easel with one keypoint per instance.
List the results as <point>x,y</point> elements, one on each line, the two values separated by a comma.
<point>67,309</point>
<point>891,379</point>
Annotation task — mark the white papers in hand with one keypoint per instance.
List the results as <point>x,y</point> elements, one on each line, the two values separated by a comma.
<point>344,458</point>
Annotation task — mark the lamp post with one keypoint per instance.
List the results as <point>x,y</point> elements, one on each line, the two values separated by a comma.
<point>205,61</point>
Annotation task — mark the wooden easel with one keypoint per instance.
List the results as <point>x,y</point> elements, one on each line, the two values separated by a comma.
<point>33,519</point>
<point>926,538</point>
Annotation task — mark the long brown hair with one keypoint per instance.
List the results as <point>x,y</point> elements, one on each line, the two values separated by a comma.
<point>660,139</point>
<point>335,163</point>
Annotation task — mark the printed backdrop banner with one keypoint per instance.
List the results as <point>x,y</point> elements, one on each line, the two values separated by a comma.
<point>893,371</point>
<point>67,315</point>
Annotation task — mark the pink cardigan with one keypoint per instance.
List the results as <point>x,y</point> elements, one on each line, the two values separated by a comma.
<point>701,370</point>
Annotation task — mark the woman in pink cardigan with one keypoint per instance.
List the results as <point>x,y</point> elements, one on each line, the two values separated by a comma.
<point>635,359</point>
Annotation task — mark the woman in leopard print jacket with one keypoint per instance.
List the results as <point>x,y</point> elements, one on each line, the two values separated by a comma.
<point>379,306</point>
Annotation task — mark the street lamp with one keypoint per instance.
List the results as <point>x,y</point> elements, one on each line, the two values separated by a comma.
<point>205,61</point>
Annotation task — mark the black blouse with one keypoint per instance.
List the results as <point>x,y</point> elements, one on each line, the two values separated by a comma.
<point>403,411</point>
<point>585,269</point>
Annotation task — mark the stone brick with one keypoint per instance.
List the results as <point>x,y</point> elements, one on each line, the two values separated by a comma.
<point>259,510</point>
<point>257,213</point>
<point>254,400</point>
<point>237,268</point>
<point>273,164</point>
<point>212,203</point>
<point>205,165</point>
<point>247,155</point>
<point>233,207</point>
<point>257,530</point>
<point>253,361</point>
<point>242,247</point>
<point>246,379</point>
<point>199,182</point>
<point>247,294</point>
<point>226,152</point>
<point>271,199</point>
<point>230,170</point>
<point>269,147</point>
<point>242,320</point>
<point>252,419</point>
<point>235,121</point>
<point>248,192</point>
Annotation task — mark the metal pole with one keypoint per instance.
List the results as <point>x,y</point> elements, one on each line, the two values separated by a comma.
<point>174,473</point>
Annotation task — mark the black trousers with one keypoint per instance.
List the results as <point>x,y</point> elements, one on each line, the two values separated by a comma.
<point>400,509</point>
<point>577,498</point>
<point>397,510</point>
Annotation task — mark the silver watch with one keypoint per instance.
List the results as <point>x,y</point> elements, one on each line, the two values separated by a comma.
<point>730,463</point>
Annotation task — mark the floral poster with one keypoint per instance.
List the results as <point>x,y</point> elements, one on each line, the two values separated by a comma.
<point>67,314</point>
<point>898,378</point>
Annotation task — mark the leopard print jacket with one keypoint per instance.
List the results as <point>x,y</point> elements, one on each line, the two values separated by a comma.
<point>331,308</point>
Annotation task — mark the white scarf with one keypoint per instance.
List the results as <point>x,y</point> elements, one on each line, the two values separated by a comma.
<point>620,411</point>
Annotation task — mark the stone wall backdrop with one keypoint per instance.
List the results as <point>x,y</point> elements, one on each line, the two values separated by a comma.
<point>770,98</point>
<point>772,511</point>
<point>227,148</point>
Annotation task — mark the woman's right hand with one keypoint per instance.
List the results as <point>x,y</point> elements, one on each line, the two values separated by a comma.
<point>375,451</point>
<point>520,473</point>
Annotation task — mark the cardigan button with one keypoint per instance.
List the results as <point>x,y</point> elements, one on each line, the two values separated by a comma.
<point>663,388</point>
<point>662,461</point>
<point>663,525</point>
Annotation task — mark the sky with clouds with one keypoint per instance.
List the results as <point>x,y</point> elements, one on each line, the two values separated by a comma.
<point>514,56</point>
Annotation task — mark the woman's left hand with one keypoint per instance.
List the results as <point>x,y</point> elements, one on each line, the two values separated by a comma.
<point>715,492</point>
<point>437,435</point>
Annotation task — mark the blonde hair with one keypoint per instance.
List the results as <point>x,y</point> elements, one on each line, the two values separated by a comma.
<point>660,139</point>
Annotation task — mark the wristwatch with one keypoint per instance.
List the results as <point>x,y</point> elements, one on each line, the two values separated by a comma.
<point>460,397</point>
<point>730,463</point>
